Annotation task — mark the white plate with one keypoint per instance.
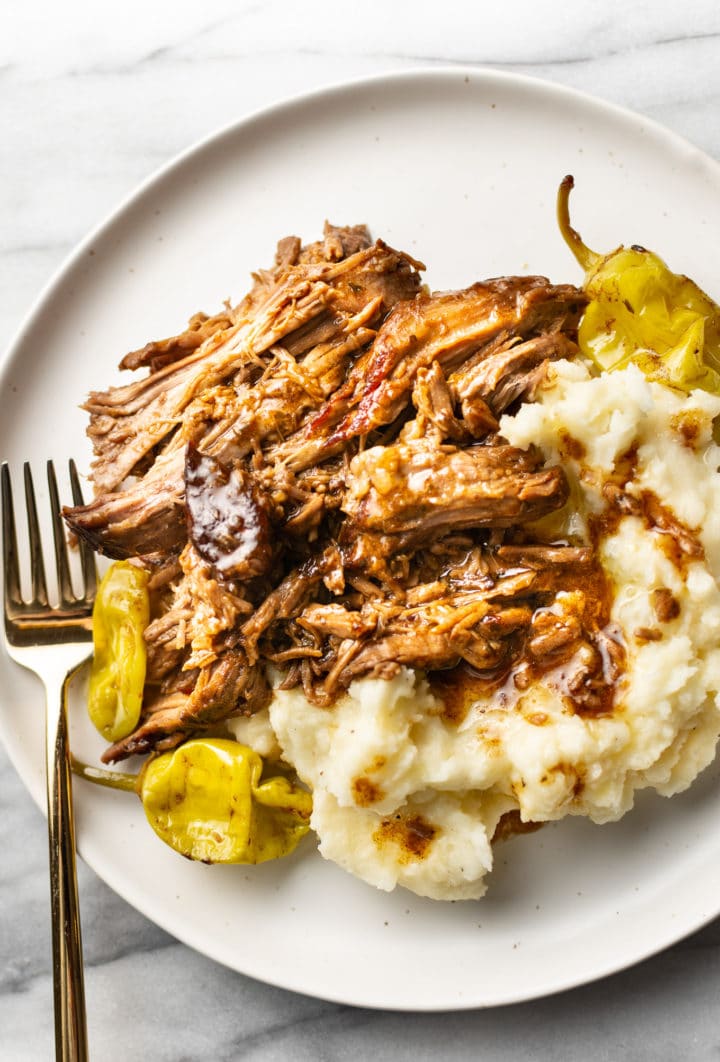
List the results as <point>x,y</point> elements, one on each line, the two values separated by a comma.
<point>460,168</point>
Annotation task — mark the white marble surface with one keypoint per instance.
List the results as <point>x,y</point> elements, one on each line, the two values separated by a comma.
<point>95,97</point>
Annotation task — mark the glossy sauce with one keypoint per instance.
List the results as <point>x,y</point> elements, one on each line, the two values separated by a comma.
<point>584,667</point>
<point>679,542</point>
<point>226,523</point>
<point>585,671</point>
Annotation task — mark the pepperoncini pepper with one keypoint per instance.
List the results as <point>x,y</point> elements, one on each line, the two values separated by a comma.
<point>641,313</point>
<point>207,801</point>
<point>117,677</point>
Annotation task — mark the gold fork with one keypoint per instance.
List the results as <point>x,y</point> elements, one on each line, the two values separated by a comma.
<point>53,641</point>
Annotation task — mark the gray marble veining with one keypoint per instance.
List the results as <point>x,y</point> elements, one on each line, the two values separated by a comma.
<point>90,105</point>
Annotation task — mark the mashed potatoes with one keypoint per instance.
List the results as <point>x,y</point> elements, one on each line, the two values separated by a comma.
<point>404,795</point>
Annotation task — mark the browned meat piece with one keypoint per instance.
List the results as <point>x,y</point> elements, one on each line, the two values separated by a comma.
<point>338,621</point>
<point>194,621</point>
<point>146,518</point>
<point>288,251</point>
<point>532,611</point>
<point>542,557</point>
<point>340,297</point>
<point>446,328</point>
<point>322,312</point>
<point>164,654</point>
<point>130,523</point>
<point>128,422</point>
<point>201,327</point>
<point>342,241</point>
<point>665,604</point>
<point>436,628</point>
<point>216,609</point>
<point>556,628</point>
<point>426,649</point>
<point>287,599</point>
<point>425,490</point>
<point>227,520</point>
<point>164,352</point>
<point>500,377</point>
<point>228,687</point>
<point>589,672</point>
<point>434,403</point>
<point>338,243</point>
<point>230,422</point>
<point>238,471</point>
<point>571,635</point>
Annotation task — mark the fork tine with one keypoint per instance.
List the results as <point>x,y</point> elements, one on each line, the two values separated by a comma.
<point>10,553</point>
<point>37,565</point>
<point>87,557</point>
<point>67,597</point>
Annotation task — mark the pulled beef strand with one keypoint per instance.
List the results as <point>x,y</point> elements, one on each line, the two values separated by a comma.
<point>290,346</point>
<point>427,490</point>
<point>315,479</point>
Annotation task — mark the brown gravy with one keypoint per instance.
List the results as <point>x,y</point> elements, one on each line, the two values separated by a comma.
<point>577,649</point>
<point>679,542</point>
<point>413,835</point>
<point>570,642</point>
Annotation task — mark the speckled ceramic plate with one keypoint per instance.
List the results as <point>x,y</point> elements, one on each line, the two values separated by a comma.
<point>459,167</point>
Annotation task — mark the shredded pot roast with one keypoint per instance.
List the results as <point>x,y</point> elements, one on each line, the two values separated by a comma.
<point>315,480</point>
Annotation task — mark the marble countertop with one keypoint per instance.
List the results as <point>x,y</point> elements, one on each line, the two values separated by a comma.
<point>91,103</point>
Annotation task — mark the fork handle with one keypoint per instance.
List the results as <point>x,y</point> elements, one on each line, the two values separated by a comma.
<point>68,979</point>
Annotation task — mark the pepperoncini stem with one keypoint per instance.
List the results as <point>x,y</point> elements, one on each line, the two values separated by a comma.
<point>586,258</point>
<point>99,776</point>
<point>641,313</point>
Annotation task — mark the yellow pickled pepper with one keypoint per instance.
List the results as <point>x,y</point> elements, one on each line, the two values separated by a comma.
<point>207,801</point>
<point>117,677</point>
<point>641,313</point>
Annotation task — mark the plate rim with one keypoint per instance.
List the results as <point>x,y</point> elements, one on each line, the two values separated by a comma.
<point>334,88</point>
<point>442,72</point>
